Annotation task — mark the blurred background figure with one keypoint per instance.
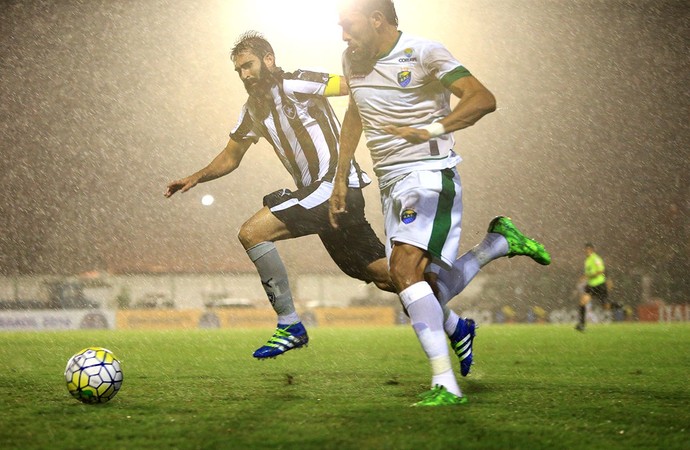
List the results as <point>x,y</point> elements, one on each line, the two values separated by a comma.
<point>595,287</point>
<point>584,304</point>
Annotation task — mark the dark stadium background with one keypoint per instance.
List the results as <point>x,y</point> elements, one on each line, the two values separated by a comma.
<point>105,102</point>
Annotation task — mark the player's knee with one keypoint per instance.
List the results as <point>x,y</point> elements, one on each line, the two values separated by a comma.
<point>407,266</point>
<point>383,281</point>
<point>243,236</point>
<point>402,277</point>
<point>248,235</point>
<point>377,273</point>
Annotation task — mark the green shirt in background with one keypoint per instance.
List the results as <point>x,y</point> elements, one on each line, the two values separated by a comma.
<point>594,270</point>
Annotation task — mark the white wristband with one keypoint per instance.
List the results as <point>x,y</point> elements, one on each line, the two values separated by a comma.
<point>435,129</point>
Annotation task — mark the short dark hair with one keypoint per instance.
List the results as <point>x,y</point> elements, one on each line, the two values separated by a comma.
<point>253,42</point>
<point>385,6</point>
<point>589,245</point>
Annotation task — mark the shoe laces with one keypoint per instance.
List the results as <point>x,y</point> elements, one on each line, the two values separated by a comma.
<point>278,336</point>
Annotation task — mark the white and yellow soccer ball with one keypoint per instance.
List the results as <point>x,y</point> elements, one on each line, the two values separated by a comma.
<point>93,375</point>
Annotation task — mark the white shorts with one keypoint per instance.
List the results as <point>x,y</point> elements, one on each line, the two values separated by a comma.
<point>424,209</point>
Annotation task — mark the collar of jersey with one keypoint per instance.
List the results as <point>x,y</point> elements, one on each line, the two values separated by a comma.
<point>391,49</point>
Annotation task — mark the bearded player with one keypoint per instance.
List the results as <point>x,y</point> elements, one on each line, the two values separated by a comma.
<point>291,111</point>
<point>400,98</point>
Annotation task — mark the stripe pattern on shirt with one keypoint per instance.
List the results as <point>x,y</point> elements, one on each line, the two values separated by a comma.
<point>302,128</point>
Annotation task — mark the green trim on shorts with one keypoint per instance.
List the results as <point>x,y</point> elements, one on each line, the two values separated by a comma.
<point>442,220</point>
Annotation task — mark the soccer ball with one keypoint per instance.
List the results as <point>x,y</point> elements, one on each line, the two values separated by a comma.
<point>93,375</point>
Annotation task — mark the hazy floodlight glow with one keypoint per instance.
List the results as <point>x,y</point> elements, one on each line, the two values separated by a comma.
<point>207,200</point>
<point>302,32</point>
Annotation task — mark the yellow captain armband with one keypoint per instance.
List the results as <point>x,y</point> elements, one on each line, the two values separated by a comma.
<point>333,86</point>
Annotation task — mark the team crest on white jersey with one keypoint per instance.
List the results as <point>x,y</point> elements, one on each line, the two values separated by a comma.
<point>404,77</point>
<point>408,215</point>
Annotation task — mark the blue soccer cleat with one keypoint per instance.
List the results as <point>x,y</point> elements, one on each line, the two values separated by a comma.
<point>285,338</point>
<point>461,341</point>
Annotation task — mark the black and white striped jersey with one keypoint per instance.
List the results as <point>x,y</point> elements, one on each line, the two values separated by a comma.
<point>301,126</point>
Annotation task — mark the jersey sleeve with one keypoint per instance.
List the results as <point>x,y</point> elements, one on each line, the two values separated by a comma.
<point>245,128</point>
<point>440,64</point>
<point>309,82</point>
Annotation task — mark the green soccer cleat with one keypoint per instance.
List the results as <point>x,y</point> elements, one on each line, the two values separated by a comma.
<point>439,396</point>
<point>518,243</point>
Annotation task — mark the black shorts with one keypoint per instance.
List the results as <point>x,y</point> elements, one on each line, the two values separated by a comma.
<point>599,292</point>
<point>352,246</point>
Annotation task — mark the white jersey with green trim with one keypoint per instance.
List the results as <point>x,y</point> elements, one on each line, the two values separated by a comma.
<point>406,87</point>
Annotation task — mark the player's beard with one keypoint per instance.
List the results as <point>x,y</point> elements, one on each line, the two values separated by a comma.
<point>259,90</point>
<point>260,87</point>
<point>362,58</point>
<point>360,66</point>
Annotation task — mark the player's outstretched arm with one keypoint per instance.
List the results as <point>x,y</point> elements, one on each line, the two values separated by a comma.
<point>476,101</point>
<point>224,163</point>
<point>349,138</point>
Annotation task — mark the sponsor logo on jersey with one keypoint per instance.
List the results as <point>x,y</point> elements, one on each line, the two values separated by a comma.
<point>408,56</point>
<point>404,77</point>
<point>408,215</point>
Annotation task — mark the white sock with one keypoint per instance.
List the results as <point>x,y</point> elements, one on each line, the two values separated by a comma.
<point>426,316</point>
<point>443,375</point>
<point>493,246</point>
<point>288,319</point>
<point>465,268</point>
<point>451,321</point>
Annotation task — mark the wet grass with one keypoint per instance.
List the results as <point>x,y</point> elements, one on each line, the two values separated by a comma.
<point>616,386</point>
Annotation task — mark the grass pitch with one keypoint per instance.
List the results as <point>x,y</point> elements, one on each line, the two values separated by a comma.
<point>538,386</point>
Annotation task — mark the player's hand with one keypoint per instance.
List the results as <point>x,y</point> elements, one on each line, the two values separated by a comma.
<point>412,135</point>
<point>337,204</point>
<point>182,185</point>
